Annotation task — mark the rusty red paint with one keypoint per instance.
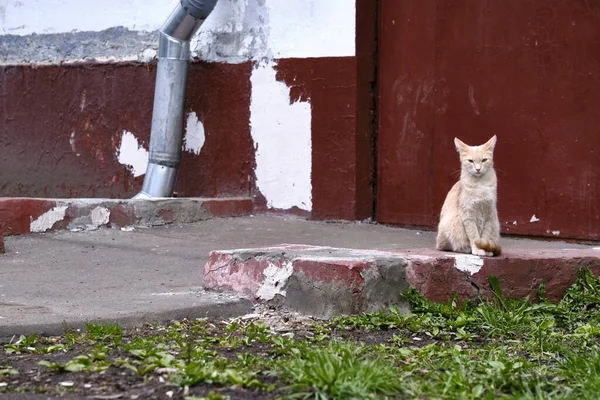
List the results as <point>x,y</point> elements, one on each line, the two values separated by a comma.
<point>518,271</point>
<point>438,279</point>
<point>42,107</point>
<point>62,125</point>
<point>474,69</point>
<point>330,86</point>
<point>221,273</point>
<point>221,208</point>
<point>347,273</point>
<point>122,215</point>
<point>219,94</point>
<point>406,65</point>
<point>166,215</point>
<point>16,214</point>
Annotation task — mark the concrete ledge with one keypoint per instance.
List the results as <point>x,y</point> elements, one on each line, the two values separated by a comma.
<point>27,215</point>
<point>325,281</point>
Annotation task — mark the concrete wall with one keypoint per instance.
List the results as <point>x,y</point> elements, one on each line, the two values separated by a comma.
<point>272,96</point>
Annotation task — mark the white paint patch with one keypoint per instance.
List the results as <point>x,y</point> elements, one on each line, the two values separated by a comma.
<point>194,134</point>
<point>148,55</point>
<point>47,220</point>
<point>555,233</point>
<point>237,31</point>
<point>514,222</point>
<point>534,219</point>
<point>314,28</point>
<point>100,216</point>
<point>468,263</point>
<point>83,102</point>
<point>282,135</point>
<point>22,17</point>
<point>132,154</point>
<point>275,280</point>
<point>72,143</point>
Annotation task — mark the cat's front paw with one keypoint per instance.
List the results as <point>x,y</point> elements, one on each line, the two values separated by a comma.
<point>478,252</point>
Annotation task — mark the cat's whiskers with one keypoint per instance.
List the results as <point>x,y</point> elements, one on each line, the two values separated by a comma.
<point>499,170</point>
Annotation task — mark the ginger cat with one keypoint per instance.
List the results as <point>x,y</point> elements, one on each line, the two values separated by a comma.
<point>469,218</point>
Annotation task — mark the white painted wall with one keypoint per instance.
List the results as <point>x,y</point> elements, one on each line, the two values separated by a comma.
<point>24,17</point>
<point>282,135</point>
<point>241,30</point>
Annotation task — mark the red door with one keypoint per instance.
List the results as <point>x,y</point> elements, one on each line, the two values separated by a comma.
<point>526,71</point>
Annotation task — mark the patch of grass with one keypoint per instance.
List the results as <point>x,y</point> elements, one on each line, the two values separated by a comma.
<point>104,332</point>
<point>339,371</point>
<point>22,344</point>
<point>503,348</point>
<point>6,371</point>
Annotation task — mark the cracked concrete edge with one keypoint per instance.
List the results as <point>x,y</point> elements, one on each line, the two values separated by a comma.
<point>324,281</point>
<point>34,215</point>
<point>217,310</point>
<point>320,285</point>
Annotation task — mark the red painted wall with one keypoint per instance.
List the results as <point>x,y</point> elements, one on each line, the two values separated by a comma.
<point>527,71</point>
<point>42,106</point>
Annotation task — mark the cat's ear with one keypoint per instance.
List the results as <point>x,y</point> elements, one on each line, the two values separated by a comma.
<point>460,146</point>
<point>490,144</point>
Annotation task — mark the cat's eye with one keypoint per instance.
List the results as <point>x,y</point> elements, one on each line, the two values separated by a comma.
<point>484,160</point>
<point>470,161</point>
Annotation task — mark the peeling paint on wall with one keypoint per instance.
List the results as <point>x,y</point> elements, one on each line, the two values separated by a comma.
<point>72,143</point>
<point>47,220</point>
<point>100,216</point>
<point>235,32</point>
<point>468,263</point>
<point>282,135</point>
<point>275,280</point>
<point>194,134</point>
<point>132,154</point>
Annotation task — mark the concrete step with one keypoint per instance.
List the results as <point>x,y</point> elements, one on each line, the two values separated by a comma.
<point>329,281</point>
<point>30,215</point>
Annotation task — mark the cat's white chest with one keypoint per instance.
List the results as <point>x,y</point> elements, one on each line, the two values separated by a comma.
<point>483,197</point>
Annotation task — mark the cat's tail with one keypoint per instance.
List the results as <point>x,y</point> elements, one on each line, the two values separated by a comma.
<point>489,245</point>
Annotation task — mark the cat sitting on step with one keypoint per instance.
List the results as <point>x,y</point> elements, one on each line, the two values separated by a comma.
<point>469,218</point>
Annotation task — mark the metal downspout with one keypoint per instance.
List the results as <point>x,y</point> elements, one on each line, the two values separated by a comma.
<point>169,96</point>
